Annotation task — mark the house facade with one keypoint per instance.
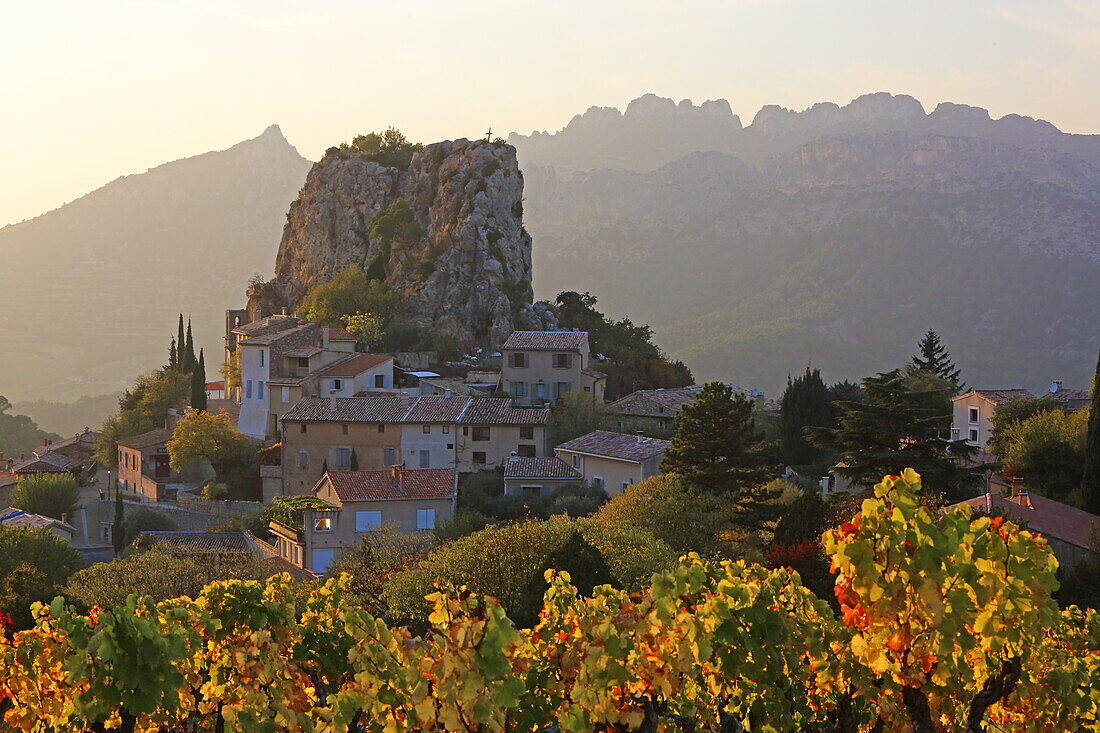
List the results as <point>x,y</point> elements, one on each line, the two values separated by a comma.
<point>656,409</point>
<point>972,412</point>
<point>542,366</point>
<point>143,465</point>
<point>362,502</point>
<point>613,461</point>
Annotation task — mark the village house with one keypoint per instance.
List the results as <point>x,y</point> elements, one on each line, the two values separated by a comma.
<point>541,366</point>
<point>538,475</point>
<point>613,461</point>
<point>405,500</point>
<point>432,431</point>
<point>215,390</point>
<point>144,468</point>
<point>655,409</point>
<point>1071,532</point>
<point>11,518</point>
<point>972,412</point>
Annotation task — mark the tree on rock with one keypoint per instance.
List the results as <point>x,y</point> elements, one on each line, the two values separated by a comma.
<point>934,357</point>
<point>716,446</point>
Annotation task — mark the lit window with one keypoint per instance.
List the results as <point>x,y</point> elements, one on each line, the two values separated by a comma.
<point>322,524</point>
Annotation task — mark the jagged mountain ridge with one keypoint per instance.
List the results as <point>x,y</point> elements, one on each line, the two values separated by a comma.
<point>840,249</point>
<point>466,269</point>
<point>93,287</point>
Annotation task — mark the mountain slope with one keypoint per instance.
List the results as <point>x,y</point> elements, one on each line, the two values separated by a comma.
<point>92,288</point>
<point>840,249</point>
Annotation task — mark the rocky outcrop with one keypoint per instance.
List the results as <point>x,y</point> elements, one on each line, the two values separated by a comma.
<point>447,234</point>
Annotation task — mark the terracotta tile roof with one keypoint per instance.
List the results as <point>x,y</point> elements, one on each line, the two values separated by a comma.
<point>499,411</point>
<point>8,478</point>
<point>655,402</point>
<point>546,340</point>
<point>200,542</point>
<point>303,351</point>
<point>12,517</point>
<point>540,468</point>
<point>86,438</point>
<point>215,385</point>
<point>356,365</point>
<point>269,325</point>
<point>269,338</point>
<point>145,440</point>
<point>388,408</point>
<point>335,333</point>
<point>1000,396</point>
<point>46,463</point>
<point>617,445</point>
<point>437,409</point>
<point>1045,516</point>
<point>408,483</point>
<point>1068,394</point>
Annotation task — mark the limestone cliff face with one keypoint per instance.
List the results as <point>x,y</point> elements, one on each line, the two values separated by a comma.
<point>447,233</point>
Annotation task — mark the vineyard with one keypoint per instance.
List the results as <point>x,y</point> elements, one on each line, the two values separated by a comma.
<point>947,624</point>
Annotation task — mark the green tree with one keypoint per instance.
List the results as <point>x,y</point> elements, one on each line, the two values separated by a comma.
<point>389,148</point>
<point>578,413</point>
<point>1047,450</point>
<point>181,348</point>
<point>142,408</point>
<point>173,356</point>
<point>366,328</point>
<point>1012,413</point>
<point>353,463</point>
<point>198,384</point>
<point>33,564</point>
<point>49,494</point>
<point>631,360</point>
<point>897,428</point>
<point>377,557</point>
<point>212,438</point>
<point>188,360</point>
<point>805,403</point>
<point>934,357</point>
<point>18,433</point>
<point>1090,474</point>
<point>347,293</point>
<point>145,519</point>
<point>716,446</point>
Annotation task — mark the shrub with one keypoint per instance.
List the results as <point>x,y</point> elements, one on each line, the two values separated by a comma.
<point>33,564</point>
<point>144,519</point>
<point>49,494</point>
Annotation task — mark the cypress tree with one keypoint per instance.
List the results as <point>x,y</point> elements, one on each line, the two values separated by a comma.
<point>1090,480</point>
<point>173,357</point>
<point>189,351</point>
<point>181,339</point>
<point>198,385</point>
<point>716,446</point>
<point>353,464</point>
<point>805,403</point>
<point>116,531</point>
<point>934,357</point>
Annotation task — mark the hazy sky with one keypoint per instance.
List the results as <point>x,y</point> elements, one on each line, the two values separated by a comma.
<point>97,89</point>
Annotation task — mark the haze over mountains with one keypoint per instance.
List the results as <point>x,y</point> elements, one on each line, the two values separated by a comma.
<point>92,288</point>
<point>835,236</point>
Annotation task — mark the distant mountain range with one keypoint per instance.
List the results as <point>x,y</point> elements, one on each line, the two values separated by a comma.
<point>834,236</point>
<point>91,289</point>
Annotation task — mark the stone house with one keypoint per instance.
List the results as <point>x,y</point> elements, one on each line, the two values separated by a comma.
<point>407,500</point>
<point>144,467</point>
<point>613,461</point>
<point>432,431</point>
<point>538,475</point>
<point>541,366</point>
<point>11,518</point>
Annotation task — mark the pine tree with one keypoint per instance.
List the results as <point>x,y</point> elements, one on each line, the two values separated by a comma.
<point>805,403</point>
<point>1090,480</point>
<point>173,357</point>
<point>898,427</point>
<point>198,384</point>
<point>716,446</point>
<point>934,357</point>
<point>188,360</point>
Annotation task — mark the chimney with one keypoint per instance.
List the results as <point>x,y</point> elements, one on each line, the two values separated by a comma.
<point>1056,386</point>
<point>332,403</point>
<point>639,437</point>
<point>1017,487</point>
<point>446,394</point>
